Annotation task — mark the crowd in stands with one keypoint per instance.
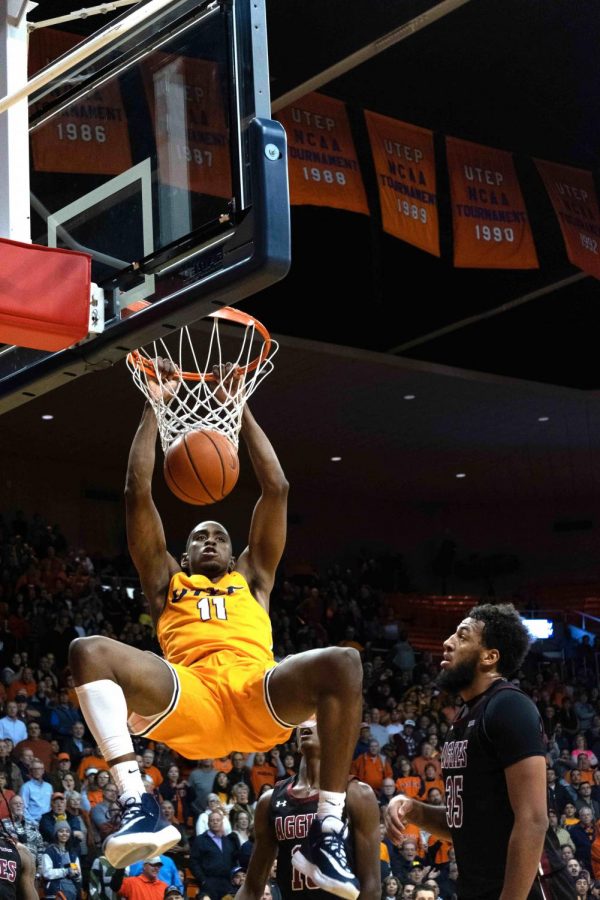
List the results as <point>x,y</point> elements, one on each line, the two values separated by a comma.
<point>56,793</point>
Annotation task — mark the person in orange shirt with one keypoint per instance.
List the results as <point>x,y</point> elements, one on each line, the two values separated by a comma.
<point>25,684</point>
<point>93,761</point>
<point>223,764</point>
<point>426,758</point>
<point>372,767</point>
<point>146,886</point>
<point>408,783</point>
<point>430,781</point>
<point>263,772</point>
<point>148,768</point>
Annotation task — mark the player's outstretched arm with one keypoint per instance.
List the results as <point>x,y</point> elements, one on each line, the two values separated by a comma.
<point>145,532</point>
<point>363,813</point>
<point>266,542</point>
<point>263,854</point>
<point>26,888</point>
<point>402,810</point>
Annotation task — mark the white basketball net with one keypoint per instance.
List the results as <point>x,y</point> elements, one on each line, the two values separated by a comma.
<point>193,405</point>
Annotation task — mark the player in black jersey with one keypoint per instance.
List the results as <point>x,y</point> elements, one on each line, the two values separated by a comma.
<point>493,764</point>
<point>281,822</point>
<point>17,870</point>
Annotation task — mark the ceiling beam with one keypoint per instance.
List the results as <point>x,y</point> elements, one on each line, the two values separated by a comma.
<point>368,52</point>
<point>504,307</point>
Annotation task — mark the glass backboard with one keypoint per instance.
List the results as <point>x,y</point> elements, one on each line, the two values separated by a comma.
<point>158,157</point>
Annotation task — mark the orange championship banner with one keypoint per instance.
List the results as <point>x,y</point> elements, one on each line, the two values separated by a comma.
<point>405,165</point>
<point>573,196</point>
<point>490,223</point>
<point>322,162</point>
<point>190,117</point>
<point>91,136</point>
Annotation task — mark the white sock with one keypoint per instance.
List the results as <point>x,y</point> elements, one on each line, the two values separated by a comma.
<point>331,804</point>
<point>128,779</point>
<point>104,708</point>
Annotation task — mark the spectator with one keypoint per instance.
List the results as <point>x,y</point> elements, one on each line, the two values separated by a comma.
<point>79,827</point>
<point>61,869</point>
<point>77,745</point>
<point>63,767</point>
<point>426,758</point>
<point>101,813</point>
<point>57,813</point>
<point>404,654</point>
<point>585,799</point>
<point>405,859</point>
<point>408,783</point>
<point>212,857</point>
<point>568,718</point>
<point>364,739</point>
<point>563,836</point>
<point>147,767</point>
<point>214,803</point>
<point>390,888</point>
<point>39,747</point>
<point>11,726</point>
<point>169,872</point>
<point>221,789</point>
<point>148,885</point>
<point>168,786</point>
<point>14,777</point>
<point>25,684</point>
<point>406,743</point>
<point>240,773</point>
<point>582,836</point>
<point>558,794</point>
<point>64,715</point>
<point>36,792</point>
<point>201,780</point>
<point>580,747</point>
<point>180,851</point>
<point>388,790</point>
<point>262,771</point>
<point>584,711</point>
<point>372,767</point>
<point>23,829</point>
<point>240,799</point>
<point>240,825</point>
<point>378,731</point>
<point>6,795</point>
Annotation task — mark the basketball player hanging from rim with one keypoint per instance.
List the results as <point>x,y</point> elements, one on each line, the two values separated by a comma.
<point>218,688</point>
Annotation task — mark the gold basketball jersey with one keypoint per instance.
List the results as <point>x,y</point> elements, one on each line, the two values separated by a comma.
<point>202,617</point>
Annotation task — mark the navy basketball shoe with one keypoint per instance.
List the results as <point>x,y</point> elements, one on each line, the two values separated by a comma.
<point>323,857</point>
<point>142,832</point>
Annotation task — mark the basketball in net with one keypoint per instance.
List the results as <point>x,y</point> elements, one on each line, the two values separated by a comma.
<point>199,420</point>
<point>201,467</point>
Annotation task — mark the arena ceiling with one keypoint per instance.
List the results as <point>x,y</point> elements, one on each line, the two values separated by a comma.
<point>356,310</point>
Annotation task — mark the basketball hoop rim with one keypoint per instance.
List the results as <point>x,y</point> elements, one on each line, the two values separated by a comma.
<point>228,314</point>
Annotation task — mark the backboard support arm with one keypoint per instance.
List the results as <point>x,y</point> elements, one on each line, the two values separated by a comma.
<point>15,222</point>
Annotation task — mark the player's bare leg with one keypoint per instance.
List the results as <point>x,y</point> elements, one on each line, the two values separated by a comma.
<point>327,683</point>
<point>111,680</point>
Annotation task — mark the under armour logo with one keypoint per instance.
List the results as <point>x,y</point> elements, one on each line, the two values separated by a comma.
<point>281,803</point>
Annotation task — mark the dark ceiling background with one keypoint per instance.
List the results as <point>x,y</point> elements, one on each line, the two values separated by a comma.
<point>521,75</point>
<point>511,401</point>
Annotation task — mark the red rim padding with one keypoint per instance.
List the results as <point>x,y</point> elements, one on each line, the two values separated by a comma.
<point>44,296</point>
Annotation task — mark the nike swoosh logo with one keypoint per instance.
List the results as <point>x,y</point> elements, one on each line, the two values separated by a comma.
<point>133,771</point>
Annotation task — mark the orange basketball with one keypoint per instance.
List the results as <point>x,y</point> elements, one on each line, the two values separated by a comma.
<point>201,467</point>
